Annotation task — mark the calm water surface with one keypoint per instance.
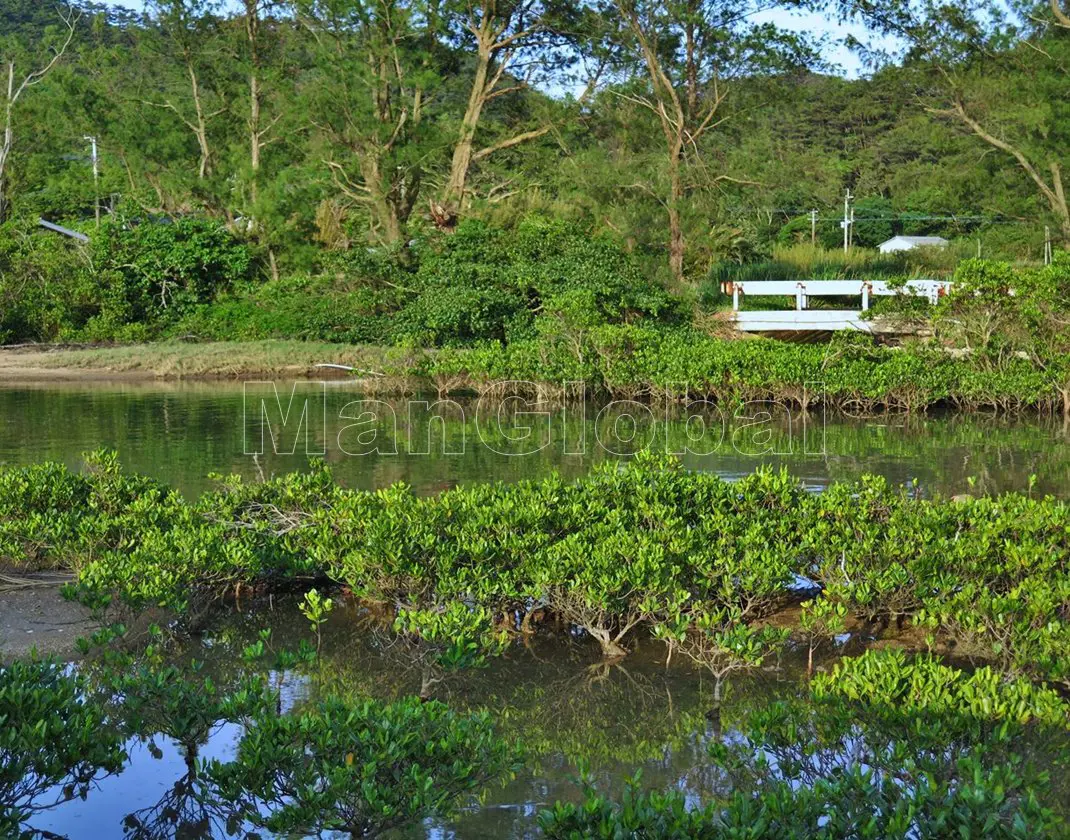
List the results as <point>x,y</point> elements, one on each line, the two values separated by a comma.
<point>182,433</point>
<point>558,697</point>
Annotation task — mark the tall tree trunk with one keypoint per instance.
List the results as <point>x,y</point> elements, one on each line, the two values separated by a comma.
<point>1062,19</point>
<point>254,131</point>
<point>683,121</point>
<point>5,145</point>
<point>383,210</point>
<point>200,128</point>
<point>252,32</point>
<point>1054,193</point>
<point>692,66</point>
<point>462,152</point>
<point>499,33</point>
<point>676,197</point>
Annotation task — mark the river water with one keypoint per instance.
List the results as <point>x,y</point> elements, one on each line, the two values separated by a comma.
<point>183,433</point>
<point>564,704</point>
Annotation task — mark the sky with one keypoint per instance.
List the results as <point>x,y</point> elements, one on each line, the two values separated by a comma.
<point>812,23</point>
<point>819,25</point>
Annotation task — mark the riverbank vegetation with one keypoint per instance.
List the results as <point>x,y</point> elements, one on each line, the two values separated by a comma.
<point>942,757</point>
<point>544,306</point>
<point>883,744</point>
<point>52,744</point>
<point>726,576</point>
<point>698,562</point>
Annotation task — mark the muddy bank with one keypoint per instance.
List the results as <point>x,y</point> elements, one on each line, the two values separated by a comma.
<point>179,361</point>
<point>38,617</point>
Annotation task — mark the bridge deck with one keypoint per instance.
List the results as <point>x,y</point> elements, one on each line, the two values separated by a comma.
<point>796,320</point>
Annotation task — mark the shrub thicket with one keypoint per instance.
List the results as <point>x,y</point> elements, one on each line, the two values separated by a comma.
<point>697,561</point>
<point>135,278</point>
<point>191,277</point>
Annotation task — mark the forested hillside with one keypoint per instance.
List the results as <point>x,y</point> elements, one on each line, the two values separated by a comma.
<point>335,121</point>
<point>297,142</point>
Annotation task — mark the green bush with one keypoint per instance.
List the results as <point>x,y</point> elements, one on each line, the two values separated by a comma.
<point>183,704</point>
<point>152,271</point>
<point>994,803</point>
<point>888,682</point>
<point>133,279</point>
<point>647,547</point>
<point>485,283</point>
<point>480,283</point>
<point>43,284</point>
<point>303,308</point>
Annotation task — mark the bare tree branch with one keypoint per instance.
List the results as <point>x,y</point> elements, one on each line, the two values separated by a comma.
<point>516,140</point>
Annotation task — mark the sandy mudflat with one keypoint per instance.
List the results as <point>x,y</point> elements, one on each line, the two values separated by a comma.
<point>39,617</point>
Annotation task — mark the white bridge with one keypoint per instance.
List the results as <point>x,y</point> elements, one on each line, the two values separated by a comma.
<point>804,319</point>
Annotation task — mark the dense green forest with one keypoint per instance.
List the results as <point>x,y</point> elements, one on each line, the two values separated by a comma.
<point>316,159</point>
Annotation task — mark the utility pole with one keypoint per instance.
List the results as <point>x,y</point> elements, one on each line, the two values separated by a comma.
<point>813,227</point>
<point>847,220</point>
<point>92,141</point>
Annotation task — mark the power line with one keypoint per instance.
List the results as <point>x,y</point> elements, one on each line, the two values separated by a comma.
<point>904,216</point>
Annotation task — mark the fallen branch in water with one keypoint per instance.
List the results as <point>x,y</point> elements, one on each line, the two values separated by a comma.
<point>349,368</point>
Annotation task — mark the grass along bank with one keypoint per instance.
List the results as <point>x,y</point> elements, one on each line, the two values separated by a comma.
<point>179,360</point>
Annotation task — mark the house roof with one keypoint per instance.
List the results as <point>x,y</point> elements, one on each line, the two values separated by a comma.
<point>918,240</point>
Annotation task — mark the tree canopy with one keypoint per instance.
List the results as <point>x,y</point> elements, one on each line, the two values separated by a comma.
<point>692,132</point>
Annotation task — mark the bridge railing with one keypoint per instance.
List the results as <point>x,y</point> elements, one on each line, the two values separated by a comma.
<point>801,290</point>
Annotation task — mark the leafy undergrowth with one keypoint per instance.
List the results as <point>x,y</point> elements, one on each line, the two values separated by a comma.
<point>646,548</point>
